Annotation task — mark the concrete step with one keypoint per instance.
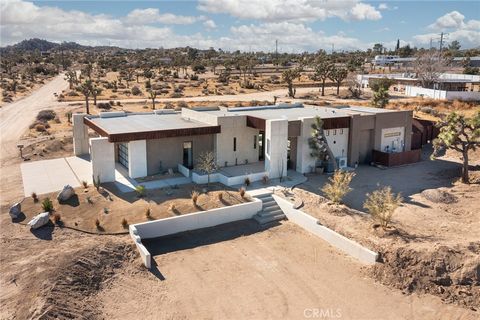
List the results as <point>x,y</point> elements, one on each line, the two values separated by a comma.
<point>269,204</point>
<point>262,220</point>
<point>271,209</point>
<point>264,196</point>
<point>270,213</point>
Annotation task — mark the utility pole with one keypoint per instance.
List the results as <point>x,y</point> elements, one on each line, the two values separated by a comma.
<point>441,41</point>
<point>276,51</point>
<point>333,48</point>
<point>431,43</point>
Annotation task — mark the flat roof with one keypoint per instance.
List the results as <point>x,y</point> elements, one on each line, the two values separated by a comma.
<point>131,123</point>
<point>295,112</point>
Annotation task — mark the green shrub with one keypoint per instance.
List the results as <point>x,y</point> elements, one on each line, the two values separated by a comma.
<point>140,190</point>
<point>381,204</point>
<point>338,186</point>
<point>47,205</point>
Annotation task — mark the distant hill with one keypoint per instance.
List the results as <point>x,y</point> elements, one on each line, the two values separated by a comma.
<point>42,45</point>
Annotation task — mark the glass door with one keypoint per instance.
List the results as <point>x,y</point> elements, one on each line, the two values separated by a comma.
<point>187,155</point>
<point>261,146</point>
<point>123,154</point>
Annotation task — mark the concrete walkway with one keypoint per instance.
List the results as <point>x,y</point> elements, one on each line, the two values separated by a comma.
<point>258,188</point>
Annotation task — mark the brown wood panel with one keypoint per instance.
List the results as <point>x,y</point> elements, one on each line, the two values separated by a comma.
<point>396,158</point>
<point>94,127</point>
<point>336,123</point>
<point>256,123</point>
<point>294,128</point>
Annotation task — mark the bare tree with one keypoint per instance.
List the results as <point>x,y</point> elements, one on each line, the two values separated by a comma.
<point>207,164</point>
<point>429,66</point>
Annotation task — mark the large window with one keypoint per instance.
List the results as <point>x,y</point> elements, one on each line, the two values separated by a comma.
<point>123,154</point>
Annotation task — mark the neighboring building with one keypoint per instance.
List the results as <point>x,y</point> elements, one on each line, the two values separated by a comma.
<point>449,86</point>
<point>386,60</point>
<point>273,137</point>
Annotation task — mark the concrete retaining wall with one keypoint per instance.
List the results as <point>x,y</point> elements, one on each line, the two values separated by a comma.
<point>228,181</point>
<point>183,170</point>
<point>442,94</point>
<point>309,223</point>
<point>187,222</point>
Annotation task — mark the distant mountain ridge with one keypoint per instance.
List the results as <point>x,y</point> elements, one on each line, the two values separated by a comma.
<point>42,45</point>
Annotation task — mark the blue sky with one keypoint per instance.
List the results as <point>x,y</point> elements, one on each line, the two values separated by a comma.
<point>243,24</point>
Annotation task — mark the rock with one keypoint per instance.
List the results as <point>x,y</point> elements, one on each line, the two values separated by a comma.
<point>66,193</point>
<point>439,196</point>
<point>39,220</point>
<point>15,210</point>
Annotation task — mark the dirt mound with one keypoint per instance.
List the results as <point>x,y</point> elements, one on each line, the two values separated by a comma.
<point>451,273</point>
<point>439,196</point>
<point>71,294</point>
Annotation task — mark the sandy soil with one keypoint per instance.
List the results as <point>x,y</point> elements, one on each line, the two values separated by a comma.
<point>110,206</point>
<point>431,230</point>
<point>239,271</point>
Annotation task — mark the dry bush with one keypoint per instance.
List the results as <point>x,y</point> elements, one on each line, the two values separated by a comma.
<point>242,192</point>
<point>172,207</point>
<point>97,223</point>
<point>46,115</point>
<point>220,196</point>
<point>381,204</point>
<point>85,184</point>
<point>265,179</point>
<point>57,218</point>
<point>195,195</point>
<point>40,128</point>
<point>247,181</point>
<point>34,197</point>
<point>148,213</point>
<point>338,186</point>
<point>124,223</point>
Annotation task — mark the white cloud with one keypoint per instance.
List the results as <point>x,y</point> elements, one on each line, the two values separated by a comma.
<point>466,32</point>
<point>452,19</point>
<point>210,24</point>
<point>382,6</point>
<point>291,10</point>
<point>153,15</point>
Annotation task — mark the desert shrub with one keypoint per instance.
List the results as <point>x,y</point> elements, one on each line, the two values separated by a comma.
<point>96,182</point>
<point>148,213</point>
<point>220,196</point>
<point>182,104</point>
<point>242,192</point>
<point>136,91</point>
<point>119,103</point>
<point>124,223</point>
<point>381,204</point>
<point>57,218</point>
<point>338,186</point>
<point>69,116</point>
<point>47,205</point>
<point>198,68</point>
<point>40,128</point>
<point>238,104</point>
<point>85,184</point>
<point>176,95</point>
<point>104,105</point>
<point>112,103</point>
<point>57,120</point>
<point>194,77</point>
<point>265,179</point>
<point>106,210</point>
<point>34,197</point>
<point>97,223</point>
<point>172,207</point>
<point>140,190</point>
<point>46,115</point>
<point>247,181</point>
<point>195,194</point>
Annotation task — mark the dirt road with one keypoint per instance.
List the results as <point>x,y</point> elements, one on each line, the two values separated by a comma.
<point>14,121</point>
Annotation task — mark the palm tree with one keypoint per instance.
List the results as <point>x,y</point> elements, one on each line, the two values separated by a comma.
<point>86,89</point>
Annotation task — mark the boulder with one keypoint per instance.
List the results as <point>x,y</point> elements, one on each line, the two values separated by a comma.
<point>66,193</point>
<point>39,220</point>
<point>15,210</point>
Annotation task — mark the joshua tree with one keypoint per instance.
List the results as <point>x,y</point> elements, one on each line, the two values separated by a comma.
<point>288,76</point>
<point>95,92</point>
<point>337,75</point>
<point>206,164</point>
<point>460,134</point>
<point>323,67</point>
<point>86,89</point>
<point>380,92</point>
<point>88,69</point>
<point>71,77</point>
<point>153,95</point>
<point>318,144</point>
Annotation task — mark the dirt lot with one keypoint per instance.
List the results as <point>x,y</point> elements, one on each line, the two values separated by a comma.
<point>435,244</point>
<point>110,206</point>
<point>238,271</point>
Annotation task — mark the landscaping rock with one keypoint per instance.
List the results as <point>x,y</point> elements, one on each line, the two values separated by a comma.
<point>39,220</point>
<point>15,210</point>
<point>66,193</point>
<point>439,196</point>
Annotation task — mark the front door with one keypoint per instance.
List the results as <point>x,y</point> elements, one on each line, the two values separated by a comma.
<point>187,155</point>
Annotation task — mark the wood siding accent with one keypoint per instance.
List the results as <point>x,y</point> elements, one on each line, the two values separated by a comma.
<point>336,123</point>
<point>256,123</point>
<point>147,135</point>
<point>396,158</point>
<point>294,128</point>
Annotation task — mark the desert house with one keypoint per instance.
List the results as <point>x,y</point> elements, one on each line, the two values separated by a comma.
<point>263,140</point>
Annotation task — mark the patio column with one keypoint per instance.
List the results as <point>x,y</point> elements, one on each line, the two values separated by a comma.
<point>305,162</point>
<point>103,159</point>
<point>137,158</point>
<point>276,137</point>
<point>80,135</point>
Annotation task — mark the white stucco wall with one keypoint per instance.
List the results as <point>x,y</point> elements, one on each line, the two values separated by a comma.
<point>103,159</point>
<point>305,162</point>
<point>137,158</point>
<point>235,126</point>
<point>393,137</point>
<point>337,140</point>
<point>80,135</point>
<point>276,140</point>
